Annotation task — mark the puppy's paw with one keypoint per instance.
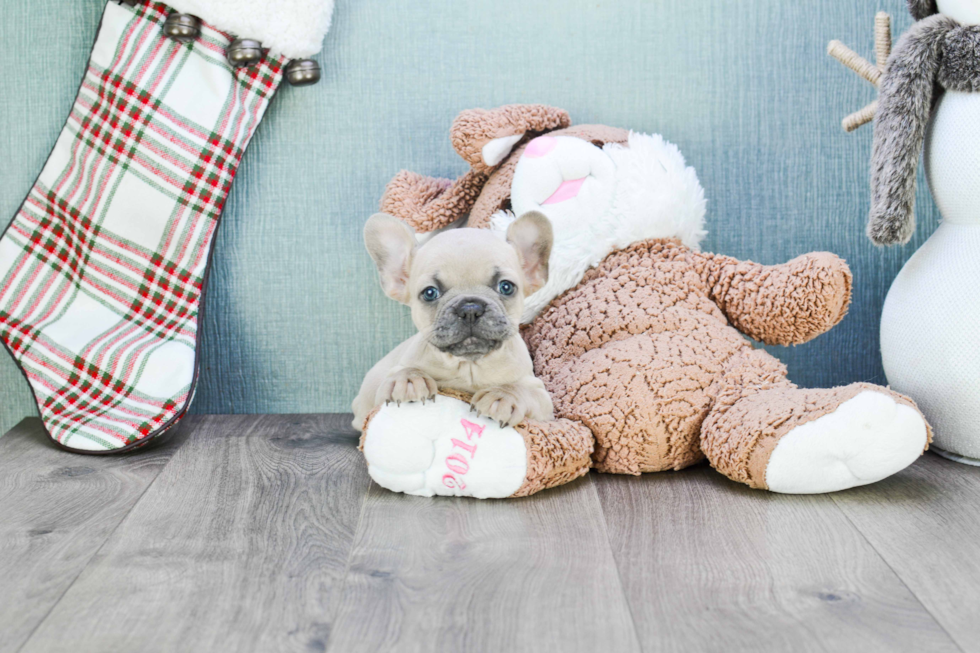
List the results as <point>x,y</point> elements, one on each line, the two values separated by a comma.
<point>407,385</point>
<point>504,404</point>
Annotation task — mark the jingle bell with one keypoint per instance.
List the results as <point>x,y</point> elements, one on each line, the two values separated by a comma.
<point>244,52</point>
<point>303,72</point>
<point>182,27</point>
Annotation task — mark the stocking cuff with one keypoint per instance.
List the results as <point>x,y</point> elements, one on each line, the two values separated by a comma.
<point>291,28</point>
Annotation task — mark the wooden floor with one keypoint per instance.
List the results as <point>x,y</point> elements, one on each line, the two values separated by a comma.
<point>264,533</point>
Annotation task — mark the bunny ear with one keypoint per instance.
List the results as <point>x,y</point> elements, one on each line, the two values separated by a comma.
<point>484,137</point>
<point>429,203</point>
<point>922,8</point>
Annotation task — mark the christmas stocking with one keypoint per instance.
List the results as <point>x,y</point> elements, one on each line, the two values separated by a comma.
<point>103,269</point>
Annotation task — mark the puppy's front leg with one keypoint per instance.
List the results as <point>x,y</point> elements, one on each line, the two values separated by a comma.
<point>512,403</point>
<point>406,384</point>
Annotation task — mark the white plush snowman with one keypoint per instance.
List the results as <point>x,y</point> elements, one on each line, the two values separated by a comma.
<point>930,100</point>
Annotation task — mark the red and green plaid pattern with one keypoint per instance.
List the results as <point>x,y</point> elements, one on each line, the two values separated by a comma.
<point>103,268</point>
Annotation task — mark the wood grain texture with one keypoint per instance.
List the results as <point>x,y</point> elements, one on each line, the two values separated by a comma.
<point>257,533</point>
<point>56,510</point>
<point>925,523</point>
<point>240,545</point>
<point>711,565</point>
<point>532,574</point>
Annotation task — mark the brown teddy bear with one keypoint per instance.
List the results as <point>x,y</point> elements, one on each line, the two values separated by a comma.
<point>637,335</point>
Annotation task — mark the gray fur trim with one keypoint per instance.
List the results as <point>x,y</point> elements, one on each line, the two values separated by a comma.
<point>922,8</point>
<point>904,103</point>
<point>960,67</point>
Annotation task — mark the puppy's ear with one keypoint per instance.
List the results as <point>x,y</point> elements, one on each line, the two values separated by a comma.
<point>531,236</point>
<point>391,243</point>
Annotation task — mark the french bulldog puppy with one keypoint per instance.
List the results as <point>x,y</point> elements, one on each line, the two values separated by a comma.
<point>466,289</point>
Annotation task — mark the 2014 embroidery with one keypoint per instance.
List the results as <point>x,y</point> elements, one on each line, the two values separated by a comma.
<point>457,462</point>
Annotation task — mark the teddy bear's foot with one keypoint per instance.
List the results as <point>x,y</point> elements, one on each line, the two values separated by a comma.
<point>801,441</point>
<point>444,448</point>
<point>866,439</point>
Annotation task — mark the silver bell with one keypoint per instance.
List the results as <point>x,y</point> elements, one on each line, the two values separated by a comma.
<point>244,52</point>
<point>182,27</point>
<point>303,72</point>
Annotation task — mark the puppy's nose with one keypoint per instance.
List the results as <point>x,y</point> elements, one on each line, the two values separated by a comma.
<point>471,309</point>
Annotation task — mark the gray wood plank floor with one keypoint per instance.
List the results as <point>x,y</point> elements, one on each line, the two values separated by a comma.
<point>464,575</point>
<point>56,512</point>
<point>241,544</point>
<point>264,533</point>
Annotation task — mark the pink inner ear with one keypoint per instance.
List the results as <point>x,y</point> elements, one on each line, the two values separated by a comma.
<point>395,281</point>
<point>540,146</point>
<point>533,276</point>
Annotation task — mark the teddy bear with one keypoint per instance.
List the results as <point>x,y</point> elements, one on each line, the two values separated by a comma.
<point>638,335</point>
<point>929,103</point>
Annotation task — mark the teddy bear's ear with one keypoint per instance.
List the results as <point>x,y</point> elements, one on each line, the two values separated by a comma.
<point>484,137</point>
<point>429,203</point>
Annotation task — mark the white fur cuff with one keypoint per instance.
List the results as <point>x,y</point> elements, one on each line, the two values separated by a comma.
<point>292,28</point>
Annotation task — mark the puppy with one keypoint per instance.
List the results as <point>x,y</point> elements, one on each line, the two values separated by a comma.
<point>466,289</point>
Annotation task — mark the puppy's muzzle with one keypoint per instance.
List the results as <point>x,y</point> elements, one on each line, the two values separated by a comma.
<point>471,327</point>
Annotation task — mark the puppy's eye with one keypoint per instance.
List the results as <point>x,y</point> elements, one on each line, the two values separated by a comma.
<point>430,294</point>
<point>506,288</point>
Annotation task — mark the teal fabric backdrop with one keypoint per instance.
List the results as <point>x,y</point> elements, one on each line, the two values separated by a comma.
<point>294,315</point>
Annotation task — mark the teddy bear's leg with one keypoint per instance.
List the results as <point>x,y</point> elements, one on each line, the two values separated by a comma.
<point>558,451</point>
<point>767,433</point>
<point>644,399</point>
<point>444,448</point>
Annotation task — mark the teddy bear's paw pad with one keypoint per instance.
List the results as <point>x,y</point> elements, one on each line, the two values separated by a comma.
<point>867,438</point>
<point>443,448</point>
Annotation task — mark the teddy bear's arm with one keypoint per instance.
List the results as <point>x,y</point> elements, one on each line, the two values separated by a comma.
<point>785,304</point>
<point>904,103</point>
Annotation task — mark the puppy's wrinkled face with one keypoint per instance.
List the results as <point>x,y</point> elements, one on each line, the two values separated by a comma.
<point>466,287</point>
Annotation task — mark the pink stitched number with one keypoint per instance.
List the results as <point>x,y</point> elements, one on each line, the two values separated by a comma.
<point>470,428</point>
<point>452,482</point>
<point>468,447</point>
<point>456,462</point>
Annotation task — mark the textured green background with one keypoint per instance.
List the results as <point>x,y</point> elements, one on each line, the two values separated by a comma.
<point>294,316</point>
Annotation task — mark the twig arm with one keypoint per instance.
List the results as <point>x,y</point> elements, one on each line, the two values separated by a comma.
<point>854,61</point>
<point>883,39</point>
<point>871,72</point>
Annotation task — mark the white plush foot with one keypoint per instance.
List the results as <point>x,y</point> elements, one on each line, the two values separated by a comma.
<point>869,437</point>
<point>443,448</point>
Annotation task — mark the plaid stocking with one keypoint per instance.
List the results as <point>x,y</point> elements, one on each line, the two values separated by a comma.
<point>103,268</point>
